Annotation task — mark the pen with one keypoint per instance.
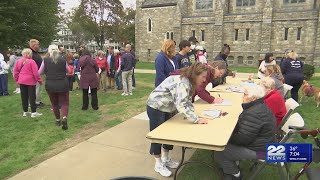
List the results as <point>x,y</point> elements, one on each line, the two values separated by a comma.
<point>219,95</point>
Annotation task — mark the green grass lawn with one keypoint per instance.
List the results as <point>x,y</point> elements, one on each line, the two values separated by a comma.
<point>25,142</point>
<point>144,65</point>
<point>308,111</point>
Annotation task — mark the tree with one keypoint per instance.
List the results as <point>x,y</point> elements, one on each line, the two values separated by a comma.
<point>102,15</point>
<point>21,20</point>
<point>102,19</point>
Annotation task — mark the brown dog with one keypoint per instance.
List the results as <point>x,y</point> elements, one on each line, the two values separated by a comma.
<point>309,91</point>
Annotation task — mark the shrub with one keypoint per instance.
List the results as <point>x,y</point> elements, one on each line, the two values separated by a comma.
<point>308,71</point>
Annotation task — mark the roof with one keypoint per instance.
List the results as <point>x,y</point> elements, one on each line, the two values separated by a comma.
<point>158,3</point>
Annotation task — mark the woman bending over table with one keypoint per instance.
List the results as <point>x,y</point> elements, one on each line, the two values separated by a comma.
<point>255,128</point>
<point>173,94</point>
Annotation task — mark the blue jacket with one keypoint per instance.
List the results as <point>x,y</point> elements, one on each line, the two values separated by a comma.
<point>292,67</point>
<point>163,68</point>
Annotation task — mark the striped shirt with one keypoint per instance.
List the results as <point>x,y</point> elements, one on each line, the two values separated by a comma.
<point>174,93</point>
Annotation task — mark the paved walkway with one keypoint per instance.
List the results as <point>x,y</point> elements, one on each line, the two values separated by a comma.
<point>120,151</point>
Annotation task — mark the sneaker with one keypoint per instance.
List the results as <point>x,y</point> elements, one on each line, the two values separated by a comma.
<point>36,114</point>
<point>162,169</point>
<point>170,163</point>
<point>130,94</point>
<point>124,94</point>
<point>58,123</point>
<point>25,114</point>
<point>18,92</point>
<point>64,124</point>
<point>231,177</point>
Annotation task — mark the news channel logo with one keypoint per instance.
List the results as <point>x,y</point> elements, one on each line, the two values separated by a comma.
<point>277,152</point>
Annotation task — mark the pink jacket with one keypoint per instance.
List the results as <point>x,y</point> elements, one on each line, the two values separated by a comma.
<point>28,74</point>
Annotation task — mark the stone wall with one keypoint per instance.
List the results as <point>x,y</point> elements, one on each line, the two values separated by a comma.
<point>266,22</point>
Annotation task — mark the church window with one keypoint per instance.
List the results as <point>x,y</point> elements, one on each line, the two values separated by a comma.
<point>286,30</point>
<point>247,34</point>
<point>202,35</point>
<point>149,25</point>
<point>236,33</point>
<point>299,33</point>
<point>293,1</point>
<point>246,2</point>
<point>204,4</point>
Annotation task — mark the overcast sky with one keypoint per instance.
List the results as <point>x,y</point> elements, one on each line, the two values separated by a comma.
<point>69,4</point>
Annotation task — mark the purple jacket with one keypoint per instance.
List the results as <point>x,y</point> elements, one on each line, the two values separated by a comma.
<point>89,68</point>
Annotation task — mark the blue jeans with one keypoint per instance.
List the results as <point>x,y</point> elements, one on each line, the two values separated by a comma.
<point>156,119</point>
<point>4,85</point>
<point>118,79</point>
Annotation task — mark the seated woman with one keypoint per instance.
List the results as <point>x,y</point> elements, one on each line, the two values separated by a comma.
<point>274,72</point>
<point>255,128</point>
<point>274,99</point>
<point>174,93</point>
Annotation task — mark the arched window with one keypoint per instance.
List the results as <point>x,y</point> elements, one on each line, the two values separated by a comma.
<point>250,60</point>
<point>240,59</point>
<point>149,25</point>
<point>230,60</point>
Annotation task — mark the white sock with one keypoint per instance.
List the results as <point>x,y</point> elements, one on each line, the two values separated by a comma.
<point>237,175</point>
<point>164,154</point>
<point>158,160</point>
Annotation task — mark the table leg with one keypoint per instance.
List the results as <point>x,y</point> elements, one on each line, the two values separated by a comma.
<point>188,162</point>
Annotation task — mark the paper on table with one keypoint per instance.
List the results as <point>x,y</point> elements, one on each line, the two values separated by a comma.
<point>213,113</point>
<point>225,102</point>
<point>235,89</point>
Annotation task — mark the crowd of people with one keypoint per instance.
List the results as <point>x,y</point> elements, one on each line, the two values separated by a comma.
<point>178,81</point>
<point>61,69</point>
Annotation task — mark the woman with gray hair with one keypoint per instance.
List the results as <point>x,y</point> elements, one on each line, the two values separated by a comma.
<point>255,128</point>
<point>26,74</point>
<point>55,68</point>
<point>273,99</point>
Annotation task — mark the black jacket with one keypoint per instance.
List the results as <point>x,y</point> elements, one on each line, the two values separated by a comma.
<point>256,126</point>
<point>221,57</point>
<point>37,58</point>
<point>56,80</point>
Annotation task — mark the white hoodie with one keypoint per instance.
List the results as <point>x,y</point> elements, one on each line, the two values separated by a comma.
<point>3,65</point>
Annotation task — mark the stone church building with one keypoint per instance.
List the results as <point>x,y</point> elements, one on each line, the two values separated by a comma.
<point>251,27</point>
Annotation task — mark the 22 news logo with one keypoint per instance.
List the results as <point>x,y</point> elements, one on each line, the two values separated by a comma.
<point>276,153</point>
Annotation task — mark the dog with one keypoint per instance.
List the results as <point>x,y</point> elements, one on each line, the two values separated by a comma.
<point>309,91</point>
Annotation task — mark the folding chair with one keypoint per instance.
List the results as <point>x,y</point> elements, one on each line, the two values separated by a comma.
<point>294,120</point>
<point>286,88</point>
<point>291,105</point>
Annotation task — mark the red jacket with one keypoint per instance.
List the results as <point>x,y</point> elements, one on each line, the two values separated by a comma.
<point>102,64</point>
<point>201,90</point>
<point>276,103</point>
